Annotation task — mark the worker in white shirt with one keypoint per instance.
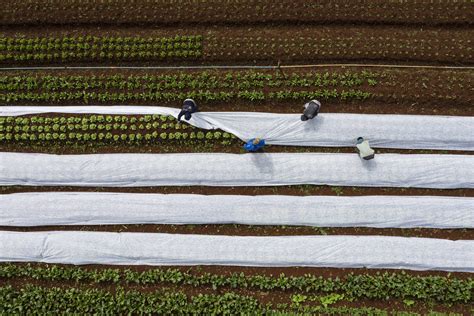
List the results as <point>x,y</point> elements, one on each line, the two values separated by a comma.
<point>363,147</point>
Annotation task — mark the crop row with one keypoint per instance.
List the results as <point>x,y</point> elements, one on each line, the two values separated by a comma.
<point>38,300</point>
<point>381,286</point>
<point>334,46</point>
<point>108,129</point>
<point>21,49</point>
<point>198,80</point>
<point>242,11</point>
<point>202,86</point>
<point>246,95</point>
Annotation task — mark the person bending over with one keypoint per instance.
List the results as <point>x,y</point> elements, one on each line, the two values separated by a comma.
<point>189,107</point>
<point>254,144</point>
<point>363,147</point>
<point>311,110</point>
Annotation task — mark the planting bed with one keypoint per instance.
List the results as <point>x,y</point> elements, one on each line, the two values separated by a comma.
<point>156,12</point>
<point>236,44</point>
<point>346,90</point>
<point>211,32</point>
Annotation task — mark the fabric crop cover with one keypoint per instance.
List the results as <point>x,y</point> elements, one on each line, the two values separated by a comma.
<point>254,144</point>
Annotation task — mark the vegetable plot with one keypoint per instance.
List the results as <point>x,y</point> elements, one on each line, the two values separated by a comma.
<point>248,86</point>
<point>93,48</point>
<point>105,129</point>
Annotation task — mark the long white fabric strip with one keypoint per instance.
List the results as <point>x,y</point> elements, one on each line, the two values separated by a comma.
<point>267,169</point>
<point>175,249</point>
<point>329,130</point>
<point>92,208</point>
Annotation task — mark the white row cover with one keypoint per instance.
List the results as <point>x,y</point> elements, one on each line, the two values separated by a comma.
<point>92,208</point>
<point>175,249</point>
<point>134,170</point>
<point>327,130</point>
<point>266,169</point>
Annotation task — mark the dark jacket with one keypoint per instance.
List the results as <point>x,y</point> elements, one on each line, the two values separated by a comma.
<point>189,107</point>
<point>311,109</point>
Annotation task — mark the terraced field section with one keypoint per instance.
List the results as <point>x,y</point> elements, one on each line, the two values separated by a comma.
<point>109,205</point>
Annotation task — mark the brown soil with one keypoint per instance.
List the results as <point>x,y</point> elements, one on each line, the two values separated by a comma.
<point>297,190</point>
<point>255,230</point>
<point>298,44</point>
<point>236,12</point>
<point>187,147</point>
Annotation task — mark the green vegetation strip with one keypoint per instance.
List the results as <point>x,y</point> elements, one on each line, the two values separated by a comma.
<point>32,299</point>
<point>93,48</point>
<point>202,86</point>
<point>105,130</point>
<point>381,286</point>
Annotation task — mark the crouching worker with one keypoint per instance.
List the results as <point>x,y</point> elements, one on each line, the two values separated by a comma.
<point>189,107</point>
<point>254,144</point>
<point>363,147</point>
<point>311,110</point>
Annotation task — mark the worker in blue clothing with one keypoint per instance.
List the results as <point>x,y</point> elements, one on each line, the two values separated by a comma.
<point>254,144</point>
<point>189,107</point>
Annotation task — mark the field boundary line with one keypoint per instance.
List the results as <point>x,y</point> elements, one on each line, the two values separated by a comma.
<point>236,67</point>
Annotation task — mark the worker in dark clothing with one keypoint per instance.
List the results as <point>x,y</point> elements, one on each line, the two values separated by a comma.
<point>311,110</point>
<point>254,144</point>
<point>189,107</point>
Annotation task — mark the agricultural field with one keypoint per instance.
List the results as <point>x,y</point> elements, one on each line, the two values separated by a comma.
<point>109,205</point>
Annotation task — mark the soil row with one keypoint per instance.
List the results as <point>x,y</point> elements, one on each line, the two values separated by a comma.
<point>270,45</point>
<point>296,190</point>
<point>233,146</point>
<point>396,91</point>
<point>159,12</point>
<point>256,230</point>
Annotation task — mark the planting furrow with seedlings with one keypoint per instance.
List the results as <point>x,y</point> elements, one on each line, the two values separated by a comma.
<point>98,49</point>
<point>32,299</point>
<point>241,12</point>
<point>355,286</point>
<point>205,86</point>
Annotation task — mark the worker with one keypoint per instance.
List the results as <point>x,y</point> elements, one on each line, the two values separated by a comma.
<point>254,144</point>
<point>363,147</point>
<point>189,107</point>
<point>311,110</point>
